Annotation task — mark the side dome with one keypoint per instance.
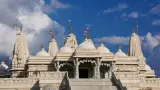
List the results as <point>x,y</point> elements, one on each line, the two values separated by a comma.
<point>87,44</point>
<point>66,49</point>
<point>42,52</point>
<point>103,49</point>
<point>119,53</point>
<point>49,87</point>
<point>4,65</point>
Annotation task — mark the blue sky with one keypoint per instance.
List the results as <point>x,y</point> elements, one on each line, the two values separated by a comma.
<point>111,19</point>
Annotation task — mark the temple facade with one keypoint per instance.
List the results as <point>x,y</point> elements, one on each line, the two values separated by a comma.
<point>79,67</point>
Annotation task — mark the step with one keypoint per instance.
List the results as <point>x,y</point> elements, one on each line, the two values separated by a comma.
<point>90,83</point>
<point>90,80</point>
<point>103,87</point>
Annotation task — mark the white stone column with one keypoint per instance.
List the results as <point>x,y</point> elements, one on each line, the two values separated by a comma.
<point>76,64</point>
<point>95,71</point>
<point>110,72</point>
<point>98,67</point>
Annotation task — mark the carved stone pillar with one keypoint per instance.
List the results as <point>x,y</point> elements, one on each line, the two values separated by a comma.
<point>57,66</point>
<point>113,66</point>
<point>95,72</point>
<point>76,64</point>
<point>98,67</point>
<point>110,72</point>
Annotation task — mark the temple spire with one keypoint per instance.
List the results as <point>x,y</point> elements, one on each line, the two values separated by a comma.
<point>51,33</point>
<point>42,46</point>
<point>119,47</point>
<point>21,29</point>
<point>86,33</point>
<point>69,26</point>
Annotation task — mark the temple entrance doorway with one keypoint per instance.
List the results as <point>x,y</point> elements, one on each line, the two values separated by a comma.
<point>83,73</point>
<point>86,70</point>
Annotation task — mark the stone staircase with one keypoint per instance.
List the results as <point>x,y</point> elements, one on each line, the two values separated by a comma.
<point>92,84</point>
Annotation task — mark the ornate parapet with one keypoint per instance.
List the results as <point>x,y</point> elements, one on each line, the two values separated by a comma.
<point>54,75</point>
<point>10,83</point>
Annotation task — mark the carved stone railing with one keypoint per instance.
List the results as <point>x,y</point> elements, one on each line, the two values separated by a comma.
<point>118,82</point>
<point>151,82</point>
<point>17,80</point>
<point>12,83</point>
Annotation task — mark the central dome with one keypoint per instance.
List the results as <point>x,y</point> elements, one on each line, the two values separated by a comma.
<point>87,44</point>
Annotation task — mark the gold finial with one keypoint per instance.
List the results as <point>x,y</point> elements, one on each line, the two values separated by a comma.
<point>119,47</point>
<point>70,30</point>
<point>42,46</point>
<point>21,28</point>
<point>137,26</point>
<point>133,30</point>
<point>50,32</point>
<point>69,26</point>
<point>88,36</point>
<point>52,36</point>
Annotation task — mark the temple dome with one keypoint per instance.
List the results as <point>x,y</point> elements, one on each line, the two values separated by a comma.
<point>87,44</point>
<point>4,65</point>
<point>49,87</point>
<point>103,49</point>
<point>66,49</point>
<point>42,53</point>
<point>120,53</point>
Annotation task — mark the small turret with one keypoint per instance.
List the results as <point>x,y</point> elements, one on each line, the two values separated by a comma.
<point>53,47</point>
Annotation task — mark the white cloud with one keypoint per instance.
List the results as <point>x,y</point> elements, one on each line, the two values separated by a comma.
<point>156,9</point>
<point>156,22</point>
<point>55,4</point>
<point>133,15</point>
<point>148,41</point>
<point>114,40</point>
<point>34,21</point>
<point>114,9</point>
<point>126,16</point>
